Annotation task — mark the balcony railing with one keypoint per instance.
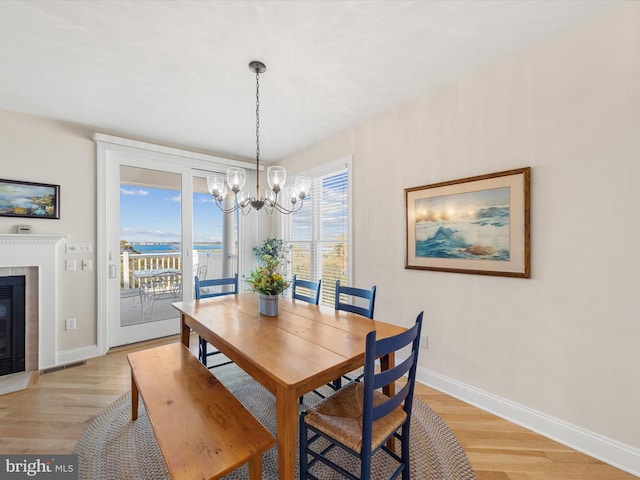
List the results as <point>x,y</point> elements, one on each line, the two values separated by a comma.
<point>136,267</point>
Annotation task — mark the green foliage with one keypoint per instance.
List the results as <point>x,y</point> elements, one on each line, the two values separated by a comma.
<point>267,278</point>
<point>267,282</point>
<point>272,253</point>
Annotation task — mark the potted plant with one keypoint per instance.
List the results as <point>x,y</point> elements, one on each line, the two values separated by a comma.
<point>268,279</point>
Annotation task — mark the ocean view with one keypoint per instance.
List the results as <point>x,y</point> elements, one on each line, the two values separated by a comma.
<point>149,247</point>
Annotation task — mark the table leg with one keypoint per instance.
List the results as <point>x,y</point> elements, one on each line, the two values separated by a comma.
<point>135,395</point>
<point>185,331</point>
<point>287,426</point>
<point>255,467</point>
<point>387,362</point>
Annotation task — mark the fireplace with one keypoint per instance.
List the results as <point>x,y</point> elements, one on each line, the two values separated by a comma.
<point>12,324</point>
<point>34,257</point>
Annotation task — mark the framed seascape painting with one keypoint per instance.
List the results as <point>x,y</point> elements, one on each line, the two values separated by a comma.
<point>27,199</point>
<point>476,225</point>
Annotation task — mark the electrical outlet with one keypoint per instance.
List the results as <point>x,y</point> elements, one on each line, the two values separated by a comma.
<point>70,324</point>
<point>424,341</point>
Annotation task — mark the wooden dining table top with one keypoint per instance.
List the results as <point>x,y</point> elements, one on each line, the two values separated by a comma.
<point>302,348</point>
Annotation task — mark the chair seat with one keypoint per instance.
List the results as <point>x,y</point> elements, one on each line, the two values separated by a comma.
<point>340,416</point>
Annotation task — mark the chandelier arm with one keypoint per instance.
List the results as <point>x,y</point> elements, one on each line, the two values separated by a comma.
<point>299,206</point>
<point>227,210</point>
<point>285,210</point>
<point>280,208</point>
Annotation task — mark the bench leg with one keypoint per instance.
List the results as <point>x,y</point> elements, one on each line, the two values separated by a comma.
<point>255,467</point>
<point>134,398</point>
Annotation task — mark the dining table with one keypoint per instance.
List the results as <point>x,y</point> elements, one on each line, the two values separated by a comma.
<point>302,348</point>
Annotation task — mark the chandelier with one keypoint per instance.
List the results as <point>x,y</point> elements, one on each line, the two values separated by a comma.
<point>219,186</point>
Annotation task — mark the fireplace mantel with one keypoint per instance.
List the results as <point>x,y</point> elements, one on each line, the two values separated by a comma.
<point>37,250</point>
<point>29,239</point>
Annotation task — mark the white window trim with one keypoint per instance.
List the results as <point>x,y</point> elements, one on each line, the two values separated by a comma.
<point>327,169</point>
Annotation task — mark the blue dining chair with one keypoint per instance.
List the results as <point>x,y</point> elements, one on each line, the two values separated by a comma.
<point>313,288</point>
<point>214,287</point>
<point>359,419</point>
<point>362,295</point>
<point>368,296</point>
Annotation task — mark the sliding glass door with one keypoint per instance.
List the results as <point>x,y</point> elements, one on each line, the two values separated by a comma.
<point>151,267</point>
<point>150,260</point>
<point>157,228</point>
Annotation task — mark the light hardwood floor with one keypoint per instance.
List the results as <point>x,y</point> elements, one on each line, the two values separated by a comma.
<point>51,415</point>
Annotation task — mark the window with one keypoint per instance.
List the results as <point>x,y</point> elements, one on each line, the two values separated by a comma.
<point>319,232</point>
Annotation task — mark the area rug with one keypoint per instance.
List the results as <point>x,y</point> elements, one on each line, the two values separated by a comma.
<point>115,448</point>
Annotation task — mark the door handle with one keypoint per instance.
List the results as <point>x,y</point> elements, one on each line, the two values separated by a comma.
<point>113,271</point>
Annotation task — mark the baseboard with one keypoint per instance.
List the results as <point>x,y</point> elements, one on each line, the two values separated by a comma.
<point>76,354</point>
<point>617,454</point>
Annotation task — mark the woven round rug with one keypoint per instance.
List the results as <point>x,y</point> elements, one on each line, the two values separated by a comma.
<point>114,448</point>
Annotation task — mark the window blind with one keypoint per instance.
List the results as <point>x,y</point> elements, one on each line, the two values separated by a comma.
<point>319,234</point>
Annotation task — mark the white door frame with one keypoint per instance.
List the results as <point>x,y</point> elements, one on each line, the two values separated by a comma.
<point>111,151</point>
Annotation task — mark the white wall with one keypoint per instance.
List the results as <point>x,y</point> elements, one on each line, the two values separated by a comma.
<point>39,150</point>
<point>563,343</point>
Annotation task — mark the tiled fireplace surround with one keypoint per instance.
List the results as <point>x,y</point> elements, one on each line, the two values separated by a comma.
<point>34,256</point>
<point>30,312</point>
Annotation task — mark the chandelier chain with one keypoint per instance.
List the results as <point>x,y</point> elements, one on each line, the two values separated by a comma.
<point>257,116</point>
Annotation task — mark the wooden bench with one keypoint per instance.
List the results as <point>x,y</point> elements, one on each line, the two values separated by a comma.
<point>204,432</point>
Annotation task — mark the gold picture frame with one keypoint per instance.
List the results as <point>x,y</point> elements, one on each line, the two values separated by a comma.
<point>478,225</point>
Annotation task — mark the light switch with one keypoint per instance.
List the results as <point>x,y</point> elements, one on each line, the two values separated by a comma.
<point>70,264</point>
<point>87,264</point>
<point>79,247</point>
<point>85,247</point>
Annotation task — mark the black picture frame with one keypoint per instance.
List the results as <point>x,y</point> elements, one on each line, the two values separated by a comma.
<point>29,199</point>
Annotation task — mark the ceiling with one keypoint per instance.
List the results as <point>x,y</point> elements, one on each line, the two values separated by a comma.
<point>177,72</point>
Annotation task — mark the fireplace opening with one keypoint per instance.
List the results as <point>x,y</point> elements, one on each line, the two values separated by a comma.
<point>12,324</point>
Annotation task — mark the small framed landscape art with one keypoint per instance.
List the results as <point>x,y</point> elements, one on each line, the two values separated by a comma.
<point>28,199</point>
<point>476,225</point>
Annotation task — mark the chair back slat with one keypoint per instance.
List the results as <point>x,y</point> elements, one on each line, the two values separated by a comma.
<point>388,376</point>
<point>215,282</point>
<point>369,296</point>
<point>312,287</point>
<point>373,380</point>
